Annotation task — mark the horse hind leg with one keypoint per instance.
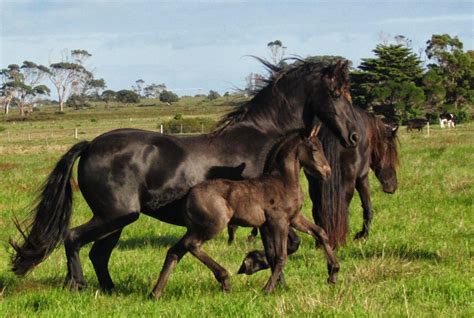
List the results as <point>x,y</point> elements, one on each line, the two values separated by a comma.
<point>100,255</point>
<point>77,237</point>
<point>220,273</point>
<point>173,256</point>
<point>231,229</point>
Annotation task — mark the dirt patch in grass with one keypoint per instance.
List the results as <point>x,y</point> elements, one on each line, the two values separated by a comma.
<point>7,166</point>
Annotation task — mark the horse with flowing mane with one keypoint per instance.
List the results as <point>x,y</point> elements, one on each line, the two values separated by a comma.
<point>125,172</point>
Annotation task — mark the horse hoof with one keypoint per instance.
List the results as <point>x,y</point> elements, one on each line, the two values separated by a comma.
<point>226,288</point>
<point>108,290</point>
<point>331,280</point>
<point>154,296</point>
<point>360,235</point>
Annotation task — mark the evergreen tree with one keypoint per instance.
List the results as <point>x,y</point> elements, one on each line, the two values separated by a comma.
<point>390,83</point>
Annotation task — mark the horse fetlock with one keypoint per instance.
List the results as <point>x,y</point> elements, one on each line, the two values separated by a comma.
<point>74,285</point>
<point>333,270</point>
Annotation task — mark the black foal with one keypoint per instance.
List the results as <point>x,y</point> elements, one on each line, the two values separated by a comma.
<point>272,202</point>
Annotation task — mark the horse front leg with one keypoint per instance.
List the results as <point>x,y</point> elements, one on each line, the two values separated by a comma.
<point>304,225</point>
<point>363,188</point>
<point>275,233</point>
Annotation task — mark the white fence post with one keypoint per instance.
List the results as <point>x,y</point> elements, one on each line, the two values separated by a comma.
<point>75,133</point>
<point>161,128</point>
<point>428,128</point>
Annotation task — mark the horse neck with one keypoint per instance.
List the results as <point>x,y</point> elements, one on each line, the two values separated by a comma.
<point>277,109</point>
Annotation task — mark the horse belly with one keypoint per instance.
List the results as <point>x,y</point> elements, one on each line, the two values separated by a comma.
<point>248,215</point>
<point>172,213</point>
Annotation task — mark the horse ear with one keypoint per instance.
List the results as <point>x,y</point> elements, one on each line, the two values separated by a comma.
<point>315,130</point>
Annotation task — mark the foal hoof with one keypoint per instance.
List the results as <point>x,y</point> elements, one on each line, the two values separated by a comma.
<point>75,286</point>
<point>153,296</point>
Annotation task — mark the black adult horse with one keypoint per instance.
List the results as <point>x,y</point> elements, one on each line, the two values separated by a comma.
<point>124,172</point>
<point>377,150</point>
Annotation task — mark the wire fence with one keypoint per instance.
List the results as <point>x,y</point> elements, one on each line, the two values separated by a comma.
<point>88,133</point>
<point>64,134</point>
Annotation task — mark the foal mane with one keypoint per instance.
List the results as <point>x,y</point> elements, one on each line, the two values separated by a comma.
<point>277,147</point>
<point>269,108</point>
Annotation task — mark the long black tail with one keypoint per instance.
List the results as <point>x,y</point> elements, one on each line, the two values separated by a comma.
<point>51,216</point>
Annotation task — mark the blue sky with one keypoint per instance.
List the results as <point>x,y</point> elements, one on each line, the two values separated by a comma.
<point>195,46</point>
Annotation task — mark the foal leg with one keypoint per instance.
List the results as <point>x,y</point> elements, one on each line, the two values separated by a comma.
<point>252,234</point>
<point>231,228</point>
<point>173,256</point>
<point>220,273</point>
<point>362,186</point>
<point>277,252</point>
<point>304,225</point>
<point>192,243</point>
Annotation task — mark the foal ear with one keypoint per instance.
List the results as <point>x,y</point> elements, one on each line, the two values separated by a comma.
<point>315,130</point>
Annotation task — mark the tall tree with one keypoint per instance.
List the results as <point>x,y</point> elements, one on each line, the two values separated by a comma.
<point>70,75</point>
<point>22,84</point>
<point>154,90</point>
<point>454,66</point>
<point>277,51</point>
<point>390,83</point>
<point>138,87</point>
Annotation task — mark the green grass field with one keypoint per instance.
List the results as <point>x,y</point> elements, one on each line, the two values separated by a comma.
<point>418,260</point>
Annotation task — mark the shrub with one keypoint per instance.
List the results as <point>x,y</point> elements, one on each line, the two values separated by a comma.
<point>2,128</point>
<point>213,95</point>
<point>127,96</point>
<point>190,125</point>
<point>168,97</point>
<point>461,115</point>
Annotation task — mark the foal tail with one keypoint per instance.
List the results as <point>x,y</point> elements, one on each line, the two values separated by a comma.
<point>330,210</point>
<point>51,216</point>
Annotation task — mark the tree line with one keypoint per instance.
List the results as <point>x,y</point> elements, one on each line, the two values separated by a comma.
<point>396,83</point>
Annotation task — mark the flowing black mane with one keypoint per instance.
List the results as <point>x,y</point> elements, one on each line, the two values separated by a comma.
<point>384,145</point>
<point>268,107</point>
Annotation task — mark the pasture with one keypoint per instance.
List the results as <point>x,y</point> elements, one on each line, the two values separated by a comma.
<point>418,260</point>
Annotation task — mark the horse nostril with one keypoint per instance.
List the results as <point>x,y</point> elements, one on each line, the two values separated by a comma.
<point>354,138</point>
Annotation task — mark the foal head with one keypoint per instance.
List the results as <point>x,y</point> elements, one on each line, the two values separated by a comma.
<point>311,155</point>
<point>384,160</point>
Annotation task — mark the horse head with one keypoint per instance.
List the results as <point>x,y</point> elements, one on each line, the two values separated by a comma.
<point>331,101</point>
<point>311,155</point>
<point>385,156</point>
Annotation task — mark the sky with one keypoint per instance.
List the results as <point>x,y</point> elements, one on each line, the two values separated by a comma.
<point>196,46</point>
